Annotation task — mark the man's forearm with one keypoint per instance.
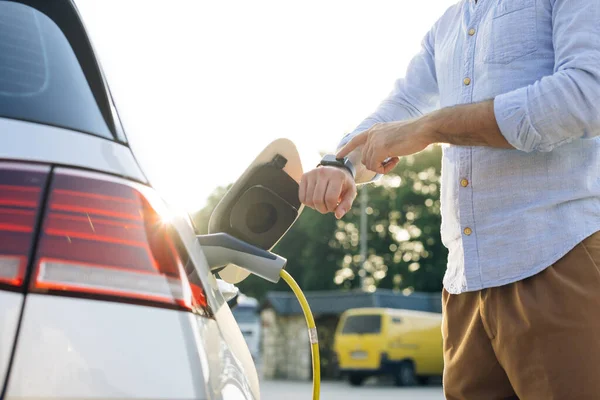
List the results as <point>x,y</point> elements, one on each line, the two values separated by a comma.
<point>468,125</point>
<point>377,150</point>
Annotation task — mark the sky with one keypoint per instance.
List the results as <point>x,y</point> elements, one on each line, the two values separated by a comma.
<point>203,86</point>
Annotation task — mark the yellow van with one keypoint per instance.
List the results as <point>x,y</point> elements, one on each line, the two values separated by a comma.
<point>379,341</point>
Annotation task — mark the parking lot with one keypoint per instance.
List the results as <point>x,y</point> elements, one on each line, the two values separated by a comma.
<point>341,390</point>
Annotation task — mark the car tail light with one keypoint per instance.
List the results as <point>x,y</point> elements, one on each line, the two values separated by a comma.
<point>103,237</point>
<point>21,191</point>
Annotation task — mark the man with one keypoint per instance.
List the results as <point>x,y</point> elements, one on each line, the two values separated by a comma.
<point>512,90</point>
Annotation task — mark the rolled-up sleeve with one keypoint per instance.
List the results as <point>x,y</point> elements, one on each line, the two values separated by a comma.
<point>414,95</point>
<point>565,106</point>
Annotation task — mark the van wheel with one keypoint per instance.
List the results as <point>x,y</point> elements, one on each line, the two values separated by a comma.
<point>356,379</point>
<point>423,380</point>
<point>405,374</point>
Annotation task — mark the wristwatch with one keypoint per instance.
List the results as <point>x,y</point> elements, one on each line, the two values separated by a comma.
<point>331,160</point>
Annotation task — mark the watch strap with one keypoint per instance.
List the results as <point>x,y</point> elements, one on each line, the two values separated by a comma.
<point>331,160</point>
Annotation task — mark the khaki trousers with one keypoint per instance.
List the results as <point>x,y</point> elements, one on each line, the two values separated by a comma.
<point>534,339</point>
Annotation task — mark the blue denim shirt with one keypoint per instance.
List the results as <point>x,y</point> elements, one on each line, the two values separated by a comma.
<point>509,214</point>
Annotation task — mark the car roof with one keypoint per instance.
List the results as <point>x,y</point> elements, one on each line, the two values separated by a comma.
<point>389,311</point>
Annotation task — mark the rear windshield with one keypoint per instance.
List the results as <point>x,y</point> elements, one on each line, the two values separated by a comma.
<point>40,77</point>
<point>361,324</point>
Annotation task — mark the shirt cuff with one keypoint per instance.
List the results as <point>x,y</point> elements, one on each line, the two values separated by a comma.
<point>514,122</point>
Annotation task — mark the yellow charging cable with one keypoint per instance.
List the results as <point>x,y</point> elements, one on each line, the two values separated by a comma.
<point>312,332</point>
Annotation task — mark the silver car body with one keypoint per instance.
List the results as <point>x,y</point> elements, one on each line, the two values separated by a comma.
<point>55,347</point>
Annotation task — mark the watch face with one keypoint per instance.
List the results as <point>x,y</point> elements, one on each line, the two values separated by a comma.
<point>330,158</point>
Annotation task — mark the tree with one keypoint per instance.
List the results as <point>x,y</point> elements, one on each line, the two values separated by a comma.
<point>202,217</point>
<point>405,251</point>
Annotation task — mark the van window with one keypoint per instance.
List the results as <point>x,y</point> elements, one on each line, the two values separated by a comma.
<point>245,315</point>
<point>361,324</point>
<point>40,77</point>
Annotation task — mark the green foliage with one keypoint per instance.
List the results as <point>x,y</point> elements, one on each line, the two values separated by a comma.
<point>202,217</point>
<point>404,246</point>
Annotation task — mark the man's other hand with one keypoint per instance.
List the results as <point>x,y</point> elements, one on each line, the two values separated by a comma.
<point>384,143</point>
<point>328,189</point>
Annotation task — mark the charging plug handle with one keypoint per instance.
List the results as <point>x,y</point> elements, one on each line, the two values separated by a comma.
<point>221,249</point>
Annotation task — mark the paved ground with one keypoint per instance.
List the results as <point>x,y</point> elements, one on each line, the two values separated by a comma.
<point>275,390</point>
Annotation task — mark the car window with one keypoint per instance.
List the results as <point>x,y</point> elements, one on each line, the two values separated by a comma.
<point>245,315</point>
<point>361,324</point>
<point>40,77</point>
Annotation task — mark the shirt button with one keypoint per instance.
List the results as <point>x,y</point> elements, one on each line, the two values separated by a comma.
<point>467,81</point>
<point>471,32</point>
<point>464,183</point>
<point>468,231</point>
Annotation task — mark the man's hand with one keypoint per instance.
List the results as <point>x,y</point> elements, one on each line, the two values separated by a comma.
<point>328,189</point>
<point>384,143</point>
<point>463,125</point>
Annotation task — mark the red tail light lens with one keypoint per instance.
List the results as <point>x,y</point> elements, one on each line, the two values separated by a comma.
<point>21,188</point>
<point>102,237</point>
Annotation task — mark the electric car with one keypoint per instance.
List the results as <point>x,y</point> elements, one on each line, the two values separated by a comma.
<point>104,293</point>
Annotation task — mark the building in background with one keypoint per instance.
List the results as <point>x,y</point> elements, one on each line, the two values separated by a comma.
<point>286,349</point>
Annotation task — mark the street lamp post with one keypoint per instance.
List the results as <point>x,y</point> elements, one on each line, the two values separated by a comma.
<point>364,198</point>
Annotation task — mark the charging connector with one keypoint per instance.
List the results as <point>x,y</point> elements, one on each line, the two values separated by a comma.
<point>221,249</point>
